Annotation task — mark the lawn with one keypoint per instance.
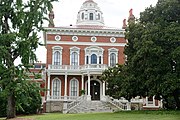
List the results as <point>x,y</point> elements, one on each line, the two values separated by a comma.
<point>131,115</point>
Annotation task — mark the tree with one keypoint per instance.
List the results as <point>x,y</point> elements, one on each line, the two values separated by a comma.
<point>19,23</point>
<point>114,76</point>
<point>153,51</point>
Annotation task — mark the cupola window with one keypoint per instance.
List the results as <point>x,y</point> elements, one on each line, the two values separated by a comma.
<point>98,16</point>
<point>82,16</point>
<point>91,16</point>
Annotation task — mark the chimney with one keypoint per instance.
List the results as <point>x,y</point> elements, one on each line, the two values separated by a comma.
<point>124,24</point>
<point>131,17</point>
<point>51,19</point>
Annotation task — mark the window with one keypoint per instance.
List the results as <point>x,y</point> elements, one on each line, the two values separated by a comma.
<point>93,59</point>
<point>98,16</point>
<point>57,55</point>
<point>74,87</point>
<point>87,59</point>
<point>74,59</point>
<point>82,16</point>
<point>99,59</point>
<point>91,16</point>
<point>112,59</point>
<point>94,55</point>
<point>56,86</point>
<point>57,58</point>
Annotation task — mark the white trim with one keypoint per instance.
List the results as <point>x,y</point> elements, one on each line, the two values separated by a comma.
<point>74,49</point>
<point>110,51</point>
<point>59,49</point>
<point>74,38</point>
<point>57,37</point>
<point>56,78</point>
<point>86,43</point>
<point>98,51</point>
<point>77,86</point>
<point>101,86</point>
<point>86,32</point>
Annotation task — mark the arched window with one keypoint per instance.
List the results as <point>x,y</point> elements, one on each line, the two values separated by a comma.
<point>74,87</point>
<point>57,58</point>
<point>82,16</point>
<point>93,59</point>
<point>91,16</point>
<point>56,87</point>
<point>112,59</point>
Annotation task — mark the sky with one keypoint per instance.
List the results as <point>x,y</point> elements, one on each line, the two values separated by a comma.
<point>114,11</point>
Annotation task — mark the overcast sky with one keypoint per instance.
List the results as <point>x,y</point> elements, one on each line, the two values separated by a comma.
<point>114,11</point>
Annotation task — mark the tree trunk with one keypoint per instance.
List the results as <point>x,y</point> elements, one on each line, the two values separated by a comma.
<point>11,108</point>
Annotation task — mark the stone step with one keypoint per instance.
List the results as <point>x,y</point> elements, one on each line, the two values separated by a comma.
<point>91,107</point>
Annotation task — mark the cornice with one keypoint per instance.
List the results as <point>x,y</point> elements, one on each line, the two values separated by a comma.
<point>86,32</point>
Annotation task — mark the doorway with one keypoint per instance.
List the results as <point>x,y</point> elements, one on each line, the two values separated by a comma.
<point>95,90</point>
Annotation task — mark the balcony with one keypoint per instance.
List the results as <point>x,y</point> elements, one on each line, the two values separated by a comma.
<point>78,69</point>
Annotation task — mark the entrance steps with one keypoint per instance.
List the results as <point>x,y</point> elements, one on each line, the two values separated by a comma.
<point>91,107</point>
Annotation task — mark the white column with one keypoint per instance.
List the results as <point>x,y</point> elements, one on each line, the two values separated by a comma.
<point>65,88</point>
<point>48,92</point>
<point>153,100</point>
<point>88,96</point>
<point>103,97</point>
<point>146,101</point>
<point>104,88</point>
<point>82,82</point>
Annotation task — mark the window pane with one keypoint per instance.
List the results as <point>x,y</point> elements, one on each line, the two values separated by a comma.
<point>56,88</point>
<point>99,59</point>
<point>74,58</point>
<point>91,16</point>
<point>74,88</point>
<point>87,60</point>
<point>112,59</point>
<point>93,59</point>
<point>57,58</point>
<point>82,16</point>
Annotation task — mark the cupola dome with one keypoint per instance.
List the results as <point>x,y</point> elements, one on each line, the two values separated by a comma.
<point>90,14</point>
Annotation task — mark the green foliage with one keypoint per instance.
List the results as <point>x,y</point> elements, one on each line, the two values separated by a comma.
<point>28,99</point>
<point>153,52</point>
<point>114,76</point>
<point>3,102</point>
<point>20,21</point>
<point>153,56</point>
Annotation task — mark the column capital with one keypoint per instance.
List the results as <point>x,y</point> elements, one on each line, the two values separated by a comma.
<point>48,74</point>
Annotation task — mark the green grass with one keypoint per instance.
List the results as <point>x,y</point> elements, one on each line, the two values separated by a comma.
<point>131,115</point>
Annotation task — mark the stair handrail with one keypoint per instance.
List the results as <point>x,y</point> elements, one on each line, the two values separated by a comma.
<point>117,104</point>
<point>73,104</point>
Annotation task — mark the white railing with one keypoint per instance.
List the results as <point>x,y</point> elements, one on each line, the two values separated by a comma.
<point>80,67</point>
<point>118,104</point>
<point>63,98</point>
<point>75,103</point>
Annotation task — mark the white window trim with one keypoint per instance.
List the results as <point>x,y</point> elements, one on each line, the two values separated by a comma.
<point>74,49</point>
<point>56,78</point>
<point>115,51</point>
<point>94,50</point>
<point>77,86</point>
<point>59,49</point>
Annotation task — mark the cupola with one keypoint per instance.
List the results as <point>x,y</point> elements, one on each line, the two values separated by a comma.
<point>90,14</point>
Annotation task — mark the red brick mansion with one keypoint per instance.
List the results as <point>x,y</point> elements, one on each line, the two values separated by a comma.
<point>76,57</point>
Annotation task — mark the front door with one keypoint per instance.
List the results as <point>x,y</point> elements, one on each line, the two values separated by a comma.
<point>95,90</point>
